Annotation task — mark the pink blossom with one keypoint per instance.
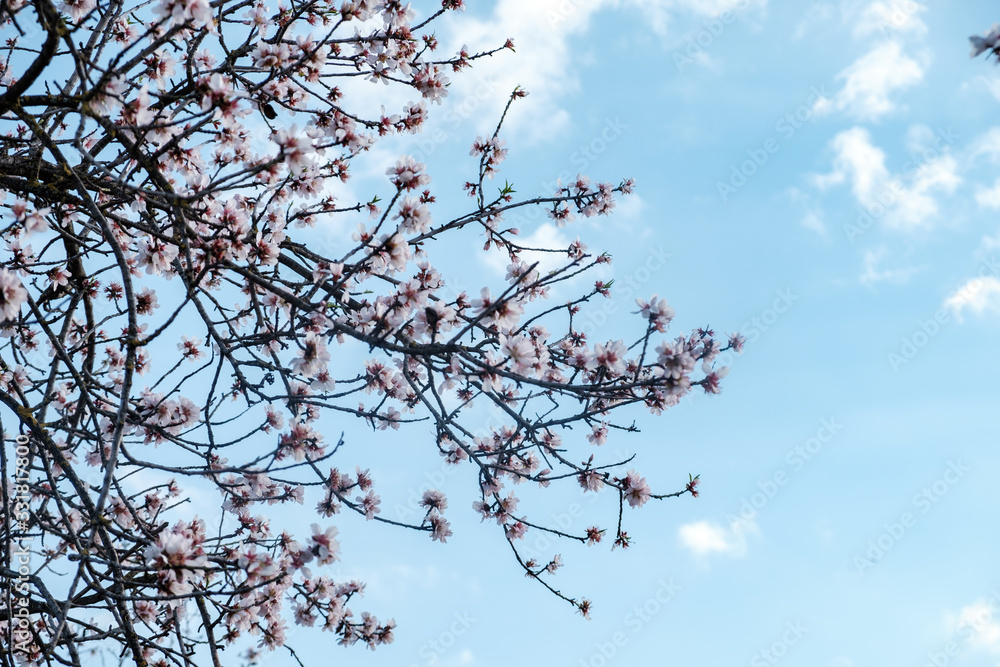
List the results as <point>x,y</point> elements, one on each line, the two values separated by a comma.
<point>146,302</point>
<point>675,359</point>
<point>520,351</point>
<point>408,174</point>
<point>370,504</point>
<point>440,528</point>
<point>161,66</point>
<point>611,356</point>
<point>12,294</point>
<point>414,216</point>
<point>434,500</point>
<point>431,82</point>
<point>34,222</point>
<point>636,489</point>
<point>712,380</point>
<point>323,382</point>
<point>274,419</point>
<point>516,531</point>
<point>591,480</point>
<point>78,9</point>
<point>554,564</point>
<point>191,348</point>
<point>598,434</point>
<point>656,311</point>
<point>314,357</point>
<point>157,256</point>
<point>198,12</point>
<point>109,100</point>
<point>295,148</point>
<point>177,556</point>
<point>325,546</point>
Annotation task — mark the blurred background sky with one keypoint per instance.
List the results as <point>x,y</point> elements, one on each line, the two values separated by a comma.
<point>821,176</point>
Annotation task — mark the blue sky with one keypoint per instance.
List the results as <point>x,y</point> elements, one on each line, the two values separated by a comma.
<point>822,176</point>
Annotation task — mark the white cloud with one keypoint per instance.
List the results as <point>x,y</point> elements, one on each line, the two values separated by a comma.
<point>856,157</point>
<point>989,197</point>
<point>885,18</point>
<point>872,78</point>
<point>813,221</point>
<point>711,8</point>
<point>916,206</point>
<point>919,138</point>
<point>976,626</point>
<point>628,208</point>
<point>812,217</point>
<point>464,657</point>
<point>661,14</point>
<point>705,537</point>
<point>991,242</point>
<point>904,201</point>
<point>979,295</point>
<point>873,274</point>
<point>891,16</point>
<point>979,616</point>
<point>544,63</point>
<point>818,16</point>
<point>986,144</point>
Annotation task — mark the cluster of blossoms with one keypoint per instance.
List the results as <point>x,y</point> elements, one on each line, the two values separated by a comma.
<point>491,153</point>
<point>586,198</point>
<point>990,41</point>
<point>159,209</point>
<point>178,559</point>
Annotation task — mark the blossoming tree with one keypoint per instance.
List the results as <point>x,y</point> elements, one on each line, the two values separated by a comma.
<point>163,320</point>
